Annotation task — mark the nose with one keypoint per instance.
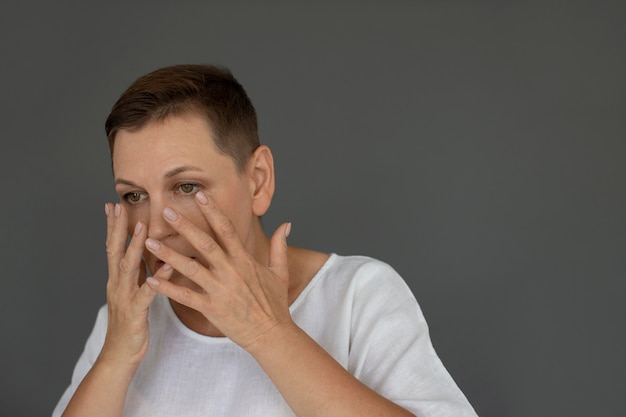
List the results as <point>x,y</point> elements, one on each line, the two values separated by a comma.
<point>158,227</point>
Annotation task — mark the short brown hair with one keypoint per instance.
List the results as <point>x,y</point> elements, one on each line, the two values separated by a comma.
<point>207,90</point>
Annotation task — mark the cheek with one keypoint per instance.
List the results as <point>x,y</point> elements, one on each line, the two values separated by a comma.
<point>237,207</point>
<point>187,206</point>
<point>136,214</point>
<point>191,211</point>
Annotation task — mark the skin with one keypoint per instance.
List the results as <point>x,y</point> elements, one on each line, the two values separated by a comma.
<point>194,217</point>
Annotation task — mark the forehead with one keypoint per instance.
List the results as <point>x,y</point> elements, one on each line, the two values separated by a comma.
<point>176,140</point>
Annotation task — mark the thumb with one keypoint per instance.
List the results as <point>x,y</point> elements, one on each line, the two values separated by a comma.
<point>278,251</point>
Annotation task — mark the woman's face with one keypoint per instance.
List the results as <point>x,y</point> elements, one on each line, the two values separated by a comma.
<point>163,165</point>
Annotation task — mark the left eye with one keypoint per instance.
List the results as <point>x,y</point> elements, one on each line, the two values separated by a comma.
<point>188,188</point>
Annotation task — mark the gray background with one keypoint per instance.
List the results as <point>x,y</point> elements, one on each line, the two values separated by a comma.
<point>476,146</point>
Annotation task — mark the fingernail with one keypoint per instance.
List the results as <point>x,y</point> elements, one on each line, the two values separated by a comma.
<point>153,282</point>
<point>153,244</point>
<point>170,214</point>
<point>107,209</point>
<point>138,228</point>
<point>201,197</point>
<point>118,210</point>
<point>288,229</point>
<point>166,267</point>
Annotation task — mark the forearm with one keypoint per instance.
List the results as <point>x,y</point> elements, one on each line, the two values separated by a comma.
<point>312,382</point>
<point>102,392</point>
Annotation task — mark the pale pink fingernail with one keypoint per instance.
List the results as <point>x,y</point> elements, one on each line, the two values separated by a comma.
<point>170,214</point>
<point>118,210</point>
<point>166,267</point>
<point>288,229</point>
<point>153,282</point>
<point>138,228</point>
<point>153,244</point>
<point>107,209</point>
<point>201,198</point>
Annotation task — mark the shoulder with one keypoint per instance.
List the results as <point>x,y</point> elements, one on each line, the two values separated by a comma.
<point>367,274</point>
<point>364,266</point>
<point>307,265</point>
<point>358,281</point>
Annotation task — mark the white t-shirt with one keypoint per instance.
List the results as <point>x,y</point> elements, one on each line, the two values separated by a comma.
<point>357,308</point>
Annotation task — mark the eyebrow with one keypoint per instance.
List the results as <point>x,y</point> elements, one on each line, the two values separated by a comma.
<point>179,170</point>
<point>169,174</point>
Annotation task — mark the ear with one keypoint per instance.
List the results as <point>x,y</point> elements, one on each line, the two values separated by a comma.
<point>261,173</point>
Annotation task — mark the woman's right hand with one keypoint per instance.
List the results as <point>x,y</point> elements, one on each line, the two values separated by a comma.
<point>128,296</point>
<point>102,391</point>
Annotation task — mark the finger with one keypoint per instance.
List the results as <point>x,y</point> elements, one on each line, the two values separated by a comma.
<point>108,209</point>
<point>131,267</point>
<point>225,232</point>
<point>116,238</point>
<point>278,251</point>
<point>189,267</point>
<point>164,272</point>
<point>147,292</point>
<point>199,239</point>
<point>181,295</point>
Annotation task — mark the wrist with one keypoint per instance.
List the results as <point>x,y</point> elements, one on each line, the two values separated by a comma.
<point>120,361</point>
<point>116,372</point>
<point>273,339</point>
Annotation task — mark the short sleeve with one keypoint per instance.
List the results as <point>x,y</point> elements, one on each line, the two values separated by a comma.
<point>391,350</point>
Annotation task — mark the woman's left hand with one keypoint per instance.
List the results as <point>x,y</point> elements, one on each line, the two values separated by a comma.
<point>248,302</point>
<point>239,296</point>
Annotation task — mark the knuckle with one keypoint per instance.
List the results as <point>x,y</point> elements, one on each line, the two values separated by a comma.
<point>246,262</point>
<point>184,296</point>
<point>146,290</point>
<point>207,244</point>
<point>112,249</point>
<point>125,266</point>
<point>227,228</point>
<point>191,268</point>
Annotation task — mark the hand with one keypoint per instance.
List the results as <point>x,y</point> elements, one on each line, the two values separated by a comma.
<point>127,333</point>
<point>241,297</point>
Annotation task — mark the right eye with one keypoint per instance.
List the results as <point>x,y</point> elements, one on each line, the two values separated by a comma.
<point>134,197</point>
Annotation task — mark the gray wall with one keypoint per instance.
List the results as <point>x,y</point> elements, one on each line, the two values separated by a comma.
<point>477,147</point>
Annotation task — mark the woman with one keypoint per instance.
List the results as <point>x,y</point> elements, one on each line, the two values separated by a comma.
<point>232,322</point>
